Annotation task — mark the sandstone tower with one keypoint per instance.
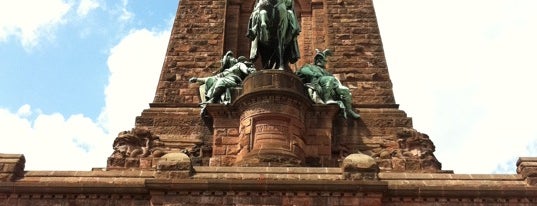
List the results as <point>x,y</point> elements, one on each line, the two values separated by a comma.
<point>204,30</point>
<point>271,145</point>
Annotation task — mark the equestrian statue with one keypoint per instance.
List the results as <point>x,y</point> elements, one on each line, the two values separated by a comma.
<point>273,29</point>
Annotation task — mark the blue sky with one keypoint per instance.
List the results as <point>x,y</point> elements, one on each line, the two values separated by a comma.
<point>74,73</point>
<point>63,69</point>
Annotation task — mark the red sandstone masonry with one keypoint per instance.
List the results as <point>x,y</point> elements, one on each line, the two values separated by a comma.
<point>11,166</point>
<point>200,35</point>
<point>264,185</point>
<point>196,45</point>
<point>349,28</point>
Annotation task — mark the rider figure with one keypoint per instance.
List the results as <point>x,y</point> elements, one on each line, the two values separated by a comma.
<point>288,27</point>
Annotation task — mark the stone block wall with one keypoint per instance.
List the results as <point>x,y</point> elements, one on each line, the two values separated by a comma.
<point>178,183</point>
<point>358,61</point>
<point>195,47</point>
<point>269,198</point>
<point>204,30</point>
<point>175,123</point>
<point>225,144</point>
<point>181,129</point>
<point>91,188</point>
<point>387,135</point>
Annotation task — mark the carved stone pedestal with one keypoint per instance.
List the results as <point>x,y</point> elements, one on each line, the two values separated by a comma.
<point>272,111</point>
<point>271,122</point>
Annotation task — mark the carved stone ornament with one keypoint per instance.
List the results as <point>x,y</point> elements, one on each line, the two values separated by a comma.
<point>130,146</point>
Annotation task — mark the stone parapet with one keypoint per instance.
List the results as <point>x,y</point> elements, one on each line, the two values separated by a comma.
<point>262,186</point>
<point>454,189</point>
<point>92,188</point>
<point>527,167</point>
<point>11,166</point>
<point>266,185</point>
<point>266,192</point>
<point>273,173</point>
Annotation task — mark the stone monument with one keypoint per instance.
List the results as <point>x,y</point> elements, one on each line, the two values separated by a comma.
<point>264,132</point>
<point>318,134</point>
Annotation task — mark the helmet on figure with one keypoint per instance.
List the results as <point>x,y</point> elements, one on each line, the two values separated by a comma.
<point>321,55</point>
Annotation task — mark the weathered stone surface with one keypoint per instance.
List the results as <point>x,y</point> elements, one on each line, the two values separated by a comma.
<point>11,166</point>
<point>278,125</point>
<point>174,161</point>
<point>264,185</point>
<point>527,167</point>
<point>384,134</point>
<point>131,146</point>
<point>349,28</point>
<point>359,162</point>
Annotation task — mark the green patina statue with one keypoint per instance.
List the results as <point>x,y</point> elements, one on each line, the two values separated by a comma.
<point>323,87</point>
<point>215,89</point>
<point>273,28</point>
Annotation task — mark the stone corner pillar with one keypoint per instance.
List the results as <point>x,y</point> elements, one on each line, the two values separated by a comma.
<point>11,167</point>
<point>527,167</point>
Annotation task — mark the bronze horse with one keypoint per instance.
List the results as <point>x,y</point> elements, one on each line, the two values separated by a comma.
<point>273,29</point>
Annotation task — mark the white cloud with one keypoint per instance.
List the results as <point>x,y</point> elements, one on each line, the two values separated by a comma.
<point>52,142</point>
<point>24,111</point>
<point>56,142</point>
<point>29,20</point>
<point>125,14</point>
<point>135,65</point>
<point>86,6</point>
<point>465,70</point>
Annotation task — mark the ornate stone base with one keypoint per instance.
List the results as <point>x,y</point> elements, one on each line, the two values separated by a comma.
<point>272,109</point>
<point>271,123</point>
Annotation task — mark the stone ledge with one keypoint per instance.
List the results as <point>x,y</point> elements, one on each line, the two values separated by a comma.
<point>112,173</point>
<point>376,106</point>
<point>441,176</point>
<point>181,106</point>
<point>527,168</point>
<point>11,166</point>
<point>253,176</point>
<point>9,156</point>
<point>265,185</point>
<point>173,105</point>
<point>462,191</point>
<point>75,187</point>
<point>83,180</point>
<point>454,183</point>
<point>268,173</point>
<point>269,170</point>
